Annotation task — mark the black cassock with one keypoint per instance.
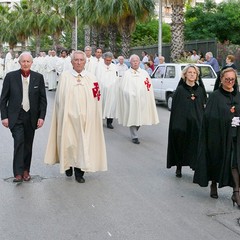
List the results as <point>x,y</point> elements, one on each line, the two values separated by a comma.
<point>184,126</point>
<point>215,155</point>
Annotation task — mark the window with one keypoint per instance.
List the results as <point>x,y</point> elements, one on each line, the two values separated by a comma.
<point>170,72</point>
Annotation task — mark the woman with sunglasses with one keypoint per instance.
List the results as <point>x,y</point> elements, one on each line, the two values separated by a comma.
<point>219,145</point>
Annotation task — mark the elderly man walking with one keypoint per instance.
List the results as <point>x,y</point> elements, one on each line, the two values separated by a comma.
<point>76,139</point>
<point>108,78</point>
<point>136,104</point>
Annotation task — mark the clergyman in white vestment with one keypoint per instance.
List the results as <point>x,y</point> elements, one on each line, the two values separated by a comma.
<point>76,139</point>
<point>136,105</point>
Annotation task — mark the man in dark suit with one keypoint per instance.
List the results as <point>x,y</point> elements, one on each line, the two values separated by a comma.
<point>23,107</point>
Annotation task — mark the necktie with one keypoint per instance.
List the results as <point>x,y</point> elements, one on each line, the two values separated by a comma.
<point>25,101</point>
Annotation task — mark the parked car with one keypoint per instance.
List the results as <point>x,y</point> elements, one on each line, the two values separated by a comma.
<point>165,79</point>
<point>126,61</point>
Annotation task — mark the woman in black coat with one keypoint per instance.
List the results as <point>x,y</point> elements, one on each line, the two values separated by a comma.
<point>185,120</point>
<point>219,145</point>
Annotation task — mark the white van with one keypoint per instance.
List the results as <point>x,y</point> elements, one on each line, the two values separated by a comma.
<point>166,77</point>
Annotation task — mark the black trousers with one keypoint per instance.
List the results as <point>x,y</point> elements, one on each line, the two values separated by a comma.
<point>23,135</point>
<point>109,121</point>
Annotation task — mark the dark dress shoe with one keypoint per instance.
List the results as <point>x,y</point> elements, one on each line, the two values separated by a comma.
<point>178,173</point>
<point>69,172</point>
<point>26,176</point>
<point>135,141</point>
<point>18,179</point>
<point>213,191</point>
<point>110,126</point>
<point>80,179</point>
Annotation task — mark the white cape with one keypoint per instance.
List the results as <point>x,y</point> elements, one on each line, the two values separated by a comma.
<point>76,136</point>
<point>136,104</point>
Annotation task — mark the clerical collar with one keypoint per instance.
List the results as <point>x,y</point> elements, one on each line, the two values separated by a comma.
<point>135,71</point>
<point>25,73</point>
<point>82,73</point>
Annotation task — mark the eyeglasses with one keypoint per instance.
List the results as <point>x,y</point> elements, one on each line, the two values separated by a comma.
<point>229,80</point>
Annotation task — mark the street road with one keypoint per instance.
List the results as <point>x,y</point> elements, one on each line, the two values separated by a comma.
<point>136,199</point>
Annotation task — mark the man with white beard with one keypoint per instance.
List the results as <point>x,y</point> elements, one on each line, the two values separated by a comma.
<point>91,63</point>
<point>107,77</point>
<point>51,73</point>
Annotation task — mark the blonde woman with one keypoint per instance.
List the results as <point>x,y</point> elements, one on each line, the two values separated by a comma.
<point>185,120</point>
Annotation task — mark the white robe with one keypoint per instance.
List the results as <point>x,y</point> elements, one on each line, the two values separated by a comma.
<point>16,64</point>
<point>136,104</point>
<point>63,64</point>
<point>8,63</point>
<point>121,68</point>
<point>51,73</point>
<point>91,65</point>
<point>107,77</point>
<point>76,135</point>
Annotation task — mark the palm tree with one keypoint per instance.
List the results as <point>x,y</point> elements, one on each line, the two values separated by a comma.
<point>125,15</point>
<point>70,13</point>
<point>57,20</point>
<point>34,18</point>
<point>9,34</point>
<point>92,15</point>
<point>177,28</point>
<point>4,12</point>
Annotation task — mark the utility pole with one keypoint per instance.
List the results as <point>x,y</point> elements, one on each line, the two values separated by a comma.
<point>76,26</point>
<point>160,29</point>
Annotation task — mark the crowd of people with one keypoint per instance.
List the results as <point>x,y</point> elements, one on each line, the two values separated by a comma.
<point>89,89</point>
<point>204,133</point>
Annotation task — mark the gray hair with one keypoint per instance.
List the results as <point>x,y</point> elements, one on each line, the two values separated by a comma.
<point>162,58</point>
<point>184,71</point>
<point>134,56</point>
<point>120,57</point>
<point>25,53</point>
<point>107,54</point>
<point>87,47</point>
<point>209,54</point>
<point>78,52</point>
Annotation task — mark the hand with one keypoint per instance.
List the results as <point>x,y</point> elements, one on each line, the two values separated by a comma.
<point>235,122</point>
<point>5,122</point>
<point>40,123</point>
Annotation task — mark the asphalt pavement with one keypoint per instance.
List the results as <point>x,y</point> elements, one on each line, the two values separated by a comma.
<point>136,199</point>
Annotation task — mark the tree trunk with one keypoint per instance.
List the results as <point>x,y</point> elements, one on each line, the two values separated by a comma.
<point>56,43</point>
<point>126,39</point>
<point>38,43</point>
<point>112,29</point>
<point>102,37</point>
<point>23,45</point>
<point>177,27</point>
<point>74,36</point>
<point>87,35</point>
<point>94,39</point>
<point>1,47</point>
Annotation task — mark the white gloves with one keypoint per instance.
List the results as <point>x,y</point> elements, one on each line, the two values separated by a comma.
<point>235,122</point>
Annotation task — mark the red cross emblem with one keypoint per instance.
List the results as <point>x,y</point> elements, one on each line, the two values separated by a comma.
<point>147,83</point>
<point>96,91</point>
